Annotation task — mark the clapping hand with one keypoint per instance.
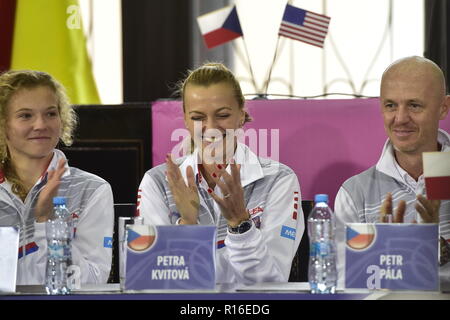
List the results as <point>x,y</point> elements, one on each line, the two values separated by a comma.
<point>232,204</point>
<point>185,196</point>
<point>44,206</point>
<point>428,210</point>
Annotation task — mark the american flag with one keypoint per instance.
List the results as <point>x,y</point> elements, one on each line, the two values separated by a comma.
<point>305,26</point>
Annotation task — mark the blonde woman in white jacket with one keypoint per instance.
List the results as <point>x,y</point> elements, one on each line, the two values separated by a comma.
<point>254,202</point>
<point>35,116</point>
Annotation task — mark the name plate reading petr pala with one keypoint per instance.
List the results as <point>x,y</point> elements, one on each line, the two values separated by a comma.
<point>398,256</point>
<point>170,257</point>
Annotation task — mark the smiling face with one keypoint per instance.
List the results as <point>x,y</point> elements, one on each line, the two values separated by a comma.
<point>212,110</point>
<point>33,124</point>
<point>412,103</point>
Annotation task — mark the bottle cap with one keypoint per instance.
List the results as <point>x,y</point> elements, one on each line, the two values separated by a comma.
<point>321,198</point>
<point>59,200</point>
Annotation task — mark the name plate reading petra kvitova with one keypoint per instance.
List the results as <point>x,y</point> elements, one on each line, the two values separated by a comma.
<point>397,256</point>
<point>170,257</point>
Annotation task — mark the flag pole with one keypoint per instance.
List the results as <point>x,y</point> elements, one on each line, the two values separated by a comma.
<point>250,65</point>
<point>271,66</point>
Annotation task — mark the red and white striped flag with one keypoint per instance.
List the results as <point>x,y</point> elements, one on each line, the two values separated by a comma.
<point>305,26</point>
<point>436,170</point>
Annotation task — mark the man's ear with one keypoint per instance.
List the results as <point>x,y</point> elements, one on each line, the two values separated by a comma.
<point>445,107</point>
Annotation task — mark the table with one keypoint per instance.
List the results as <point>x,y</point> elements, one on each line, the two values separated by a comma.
<point>261,292</point>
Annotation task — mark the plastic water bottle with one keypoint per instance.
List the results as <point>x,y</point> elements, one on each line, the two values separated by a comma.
<point>322,274</point>
<point>59,257</point>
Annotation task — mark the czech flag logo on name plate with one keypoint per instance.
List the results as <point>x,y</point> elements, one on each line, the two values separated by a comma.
<point>360,236</point>
<point>140,237</point>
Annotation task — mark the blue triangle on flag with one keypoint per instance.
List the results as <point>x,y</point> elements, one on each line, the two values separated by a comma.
<point>132,235</point>
<point>232,22</point>
<point>351,233</point>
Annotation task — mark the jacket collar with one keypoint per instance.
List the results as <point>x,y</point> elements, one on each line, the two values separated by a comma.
<point>388,165</point>
<point>57,155</point>
<point>251,169</point>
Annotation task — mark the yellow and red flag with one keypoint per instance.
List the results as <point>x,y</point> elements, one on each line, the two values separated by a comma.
<point>47,35</point>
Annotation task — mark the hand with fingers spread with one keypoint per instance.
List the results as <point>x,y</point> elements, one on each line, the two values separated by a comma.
<point>428,209</point>
<point>232,204</point>
<point>185,196</point>
<point>43,210</point>
<point>386,214</point>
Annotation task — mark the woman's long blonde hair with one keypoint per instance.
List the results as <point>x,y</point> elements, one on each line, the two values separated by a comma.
<point>10,83</point>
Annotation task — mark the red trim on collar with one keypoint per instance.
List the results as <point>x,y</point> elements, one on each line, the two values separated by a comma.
<point>46,169</point>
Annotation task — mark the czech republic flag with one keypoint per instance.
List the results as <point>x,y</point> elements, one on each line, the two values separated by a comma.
<point>140,237</point>
<point>360,235</point>
<point>436,170</point>
<point>220,26</point>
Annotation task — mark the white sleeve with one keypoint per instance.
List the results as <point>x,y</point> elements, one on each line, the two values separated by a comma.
<point>151,204</point>
<point>92,244</point>
<point>265,254</point>
<point>345,211</point>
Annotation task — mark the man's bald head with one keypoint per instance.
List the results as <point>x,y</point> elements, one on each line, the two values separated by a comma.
<point>417,67</point>
<point>413,101</point>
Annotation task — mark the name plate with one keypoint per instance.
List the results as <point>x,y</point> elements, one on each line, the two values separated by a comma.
<point>400,256</point>
<point>9,248</point>
<point>170,257</point>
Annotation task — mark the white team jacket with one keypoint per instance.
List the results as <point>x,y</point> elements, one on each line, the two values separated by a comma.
<point>90,199</point>
<point>273,198</point>
<point>360,198</point>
